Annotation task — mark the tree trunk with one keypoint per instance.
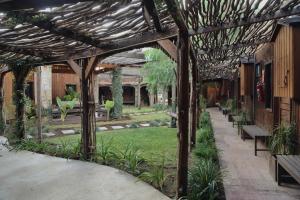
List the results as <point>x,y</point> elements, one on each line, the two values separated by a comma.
<point>183,114</point>
<point>117,92</point>
<point>20,74</point>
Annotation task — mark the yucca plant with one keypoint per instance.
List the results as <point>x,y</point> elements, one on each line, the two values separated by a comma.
<point>156,176</point>
<point>282,141</point>
<point>131,158</point>
<point>205,180</point>
<point>104,150</point>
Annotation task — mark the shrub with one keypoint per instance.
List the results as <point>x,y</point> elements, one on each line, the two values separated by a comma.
<point>156,176</point>
<point>134,125</point>
<point>105,151</point>
<point>206,151</point>
<point>282,142</point>
<point>64,107</point>
<point>204,180</point>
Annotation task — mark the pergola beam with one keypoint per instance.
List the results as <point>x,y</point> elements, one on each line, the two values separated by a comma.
<point>76,68</point>
<point>277,15</point>
<point>232,46</point>
<point>152,11</point>
<point>169,47</point>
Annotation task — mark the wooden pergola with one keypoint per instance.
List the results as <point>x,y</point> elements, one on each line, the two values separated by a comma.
<point>211,36</point>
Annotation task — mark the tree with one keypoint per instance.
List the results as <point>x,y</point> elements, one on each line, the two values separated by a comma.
<point>159,71</point>
<point>117,92</point>
<point>65,107</point>
<point>108,106</point>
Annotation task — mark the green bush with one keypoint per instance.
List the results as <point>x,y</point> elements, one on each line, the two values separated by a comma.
<point>205,178</point>
<point>206,151</point>
<point>156,176</point>
<point>204,181</point>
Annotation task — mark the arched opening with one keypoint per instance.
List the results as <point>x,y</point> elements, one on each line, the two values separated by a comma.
<point>128,95</point>
<point>104,94</point>
<point>145,100</point>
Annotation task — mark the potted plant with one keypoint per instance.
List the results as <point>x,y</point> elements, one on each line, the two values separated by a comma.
<point>108,106</point>
<point>281,143</point>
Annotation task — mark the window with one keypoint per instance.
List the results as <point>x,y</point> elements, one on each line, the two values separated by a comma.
<point>268,85</point>
<point>70,87</point>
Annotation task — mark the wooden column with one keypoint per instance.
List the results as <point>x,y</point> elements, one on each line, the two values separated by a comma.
<point>193,106</point>
<point>174,109</point>
<point>39,111</point>
<point>183,113</point>
<point>20,73</point>
<point>88,137</point>
<point>2,121</point>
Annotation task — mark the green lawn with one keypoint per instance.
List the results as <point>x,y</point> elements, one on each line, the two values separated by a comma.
<point>133,119</point>
<point>133,109</point>
<point>154,143</point>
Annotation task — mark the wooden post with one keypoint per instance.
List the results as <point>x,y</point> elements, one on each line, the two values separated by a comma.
<point>88,137</point>
<point>2,121</point>
<point>193,106</point>
<point>20,73</point>
<point>39,111</point>
<point>173,119</point>
<point>183,113</point>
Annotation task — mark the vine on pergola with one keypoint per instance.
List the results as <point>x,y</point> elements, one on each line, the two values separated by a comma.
<point>20,71</point>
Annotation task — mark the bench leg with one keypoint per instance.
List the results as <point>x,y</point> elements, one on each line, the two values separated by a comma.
<point>255,146</point>
<point>278,174</point>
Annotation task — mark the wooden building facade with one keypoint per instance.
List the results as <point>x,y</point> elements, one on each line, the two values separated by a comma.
<point>270,89</point>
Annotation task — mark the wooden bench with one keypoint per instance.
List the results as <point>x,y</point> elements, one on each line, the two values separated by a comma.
<point>288,164</point>
<point>256,133</point>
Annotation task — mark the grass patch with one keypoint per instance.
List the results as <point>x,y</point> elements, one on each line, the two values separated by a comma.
<point>153,142</point>
<point>133,109</point>
<point>133,119</point>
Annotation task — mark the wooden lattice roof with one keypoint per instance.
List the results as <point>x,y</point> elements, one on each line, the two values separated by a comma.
<point>221,31</point>
<point>80,29</point>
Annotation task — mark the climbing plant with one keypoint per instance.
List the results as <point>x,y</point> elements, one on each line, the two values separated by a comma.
<point>20,70</point>
<point>117,92</point>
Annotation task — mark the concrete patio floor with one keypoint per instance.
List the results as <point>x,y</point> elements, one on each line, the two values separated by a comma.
<point>247,177</point>
<point>30,176</point>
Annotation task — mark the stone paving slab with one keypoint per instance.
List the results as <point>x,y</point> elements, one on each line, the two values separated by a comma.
<point>117,127</point>
<point>68,132</point>
<point>145,125</point>
<point>30,176</point>
<point>247,177</point>
<point>50,134</point>
<point>102,129</point>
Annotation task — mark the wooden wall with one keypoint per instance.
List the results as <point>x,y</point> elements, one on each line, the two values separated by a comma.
<point>264,117</point>
<point>246,79</point>
<point>59,82</point>
<point>284,61</point>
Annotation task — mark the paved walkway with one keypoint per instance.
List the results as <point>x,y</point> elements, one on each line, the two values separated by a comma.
<point>29,176</point>
<point>247,176</point>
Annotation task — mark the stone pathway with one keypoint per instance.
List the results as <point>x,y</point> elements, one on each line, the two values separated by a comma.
<point>102,128</point>
<point>247,177</point>
<point>28,176</point>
